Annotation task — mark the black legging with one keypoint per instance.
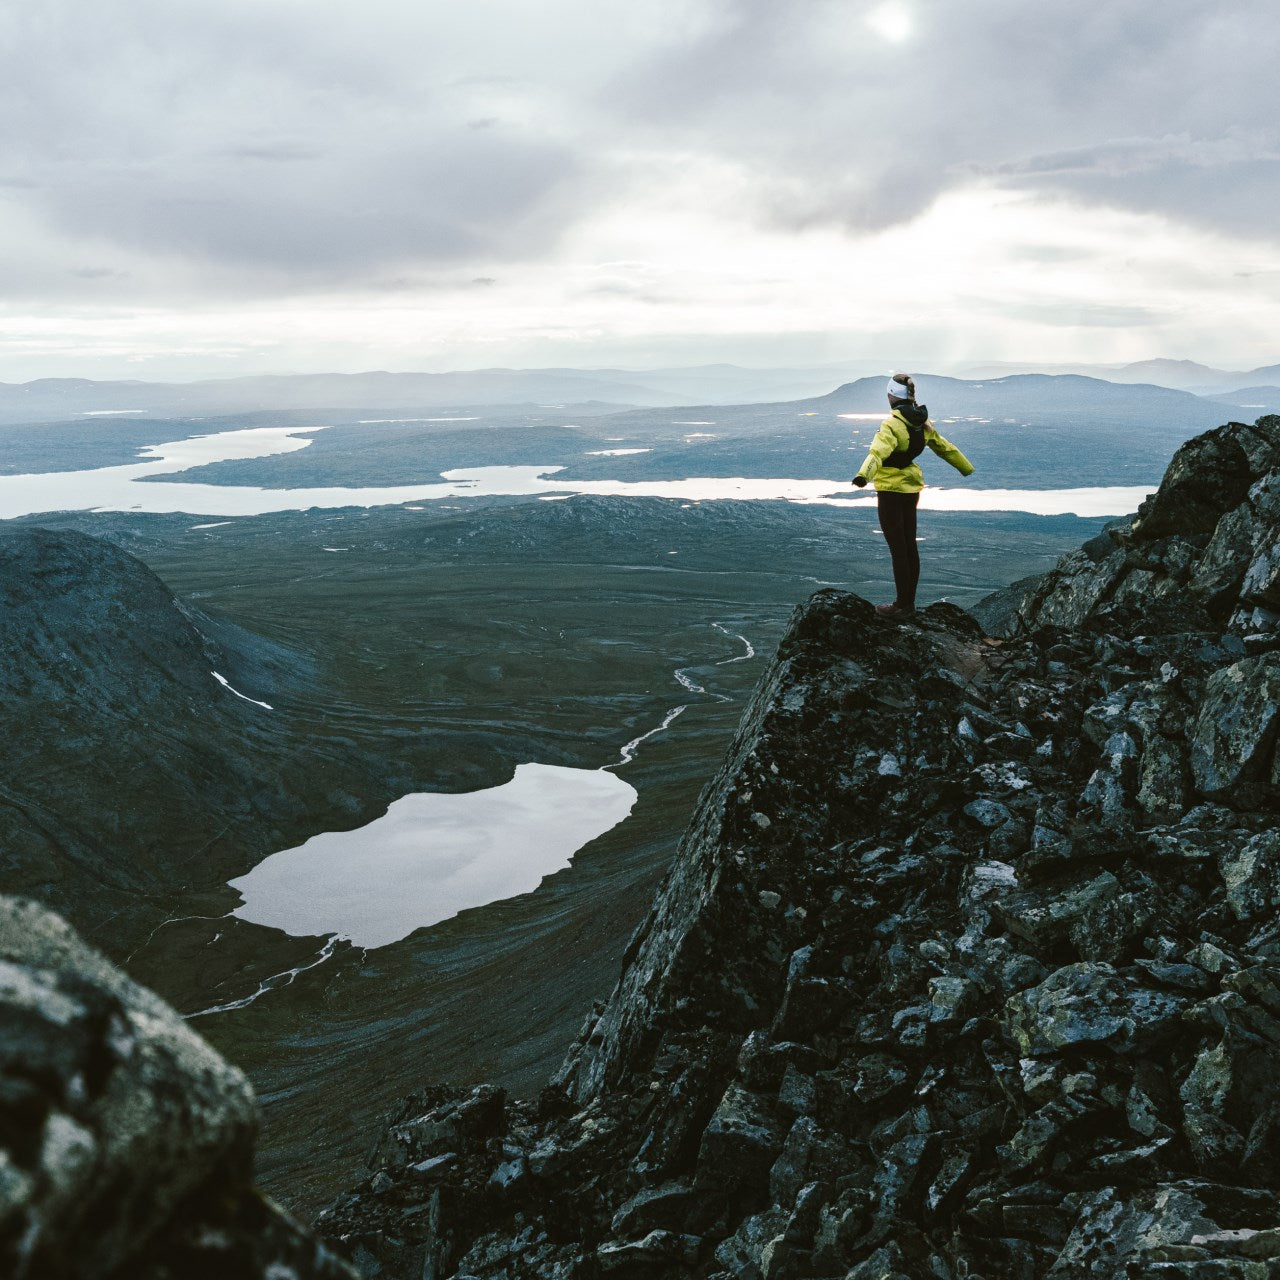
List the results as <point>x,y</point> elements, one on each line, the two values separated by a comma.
<point>897,512</point>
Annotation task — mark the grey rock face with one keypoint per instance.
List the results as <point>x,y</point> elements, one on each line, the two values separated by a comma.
<point>1208,476</point>
<point>1219,572</point>
<point>739,1144</point>
<point>126,1089</point>
<point>1085,1005</point>
<point>1233,738</point>
<point>122,1133</point>
<point>1251,873</point>
<point>1079,585</point>
<point>1205,542</point>
<point>728,858</point>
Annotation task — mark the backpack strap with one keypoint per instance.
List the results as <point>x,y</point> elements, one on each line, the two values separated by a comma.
<point>915,447</point>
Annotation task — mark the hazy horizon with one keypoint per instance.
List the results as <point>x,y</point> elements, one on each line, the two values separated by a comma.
<point>840,370</point>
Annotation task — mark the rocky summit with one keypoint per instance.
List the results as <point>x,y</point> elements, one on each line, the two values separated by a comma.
<point>967,966</point>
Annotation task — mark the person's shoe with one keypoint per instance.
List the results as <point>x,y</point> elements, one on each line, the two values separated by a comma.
<point>893,611</point>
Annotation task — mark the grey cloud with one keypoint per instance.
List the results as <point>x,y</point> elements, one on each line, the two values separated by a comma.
<point>258,140</point>
<point>353,210</point>
<point>1059,314</point>
<point>288,144</point>
<point>273,153</point>
<point>1124,156</point>
<point>1168,108</point>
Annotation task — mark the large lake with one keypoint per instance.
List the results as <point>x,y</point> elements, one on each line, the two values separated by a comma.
<point>117,488</point>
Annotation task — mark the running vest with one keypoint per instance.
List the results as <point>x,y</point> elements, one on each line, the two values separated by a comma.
<point>905,457</point>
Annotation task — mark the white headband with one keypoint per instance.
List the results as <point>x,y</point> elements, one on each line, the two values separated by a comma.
<point>900,391</point>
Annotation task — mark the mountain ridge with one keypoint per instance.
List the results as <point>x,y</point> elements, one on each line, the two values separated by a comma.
<point>54,399</point>
<point>966,965</point>
<point>46,399</point>
<point>1186,375</point>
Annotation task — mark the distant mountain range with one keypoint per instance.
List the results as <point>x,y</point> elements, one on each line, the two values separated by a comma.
<point>1018,395</point>
<point>587,392</point>
<point>1033,393</point>
<point>1184,375</point>
<point>1257,400</point>
<point>54,399</point>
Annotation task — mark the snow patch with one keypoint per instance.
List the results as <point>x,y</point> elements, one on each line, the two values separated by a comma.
<point>226,684</point>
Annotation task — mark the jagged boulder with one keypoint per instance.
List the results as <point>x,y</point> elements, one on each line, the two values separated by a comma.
<point>1261,583</point>
<point>1208,476</point>
<point>1083,1006</point>
<point>1233,738</point>
<point>125,1140</point>
<point>1204,543</point>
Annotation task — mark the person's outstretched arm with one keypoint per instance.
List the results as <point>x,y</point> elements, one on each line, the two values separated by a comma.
<point>882,446</point>
<point>947,451</point>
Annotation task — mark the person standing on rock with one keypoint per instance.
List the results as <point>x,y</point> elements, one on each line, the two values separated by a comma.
<point>891,466</point>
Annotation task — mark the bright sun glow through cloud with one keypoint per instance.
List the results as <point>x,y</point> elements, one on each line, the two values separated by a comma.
<point>893,21</point>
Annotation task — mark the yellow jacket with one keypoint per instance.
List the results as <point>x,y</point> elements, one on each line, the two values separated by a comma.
<point>893,437</point>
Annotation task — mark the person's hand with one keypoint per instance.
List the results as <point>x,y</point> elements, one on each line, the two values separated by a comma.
<point>860,481</point>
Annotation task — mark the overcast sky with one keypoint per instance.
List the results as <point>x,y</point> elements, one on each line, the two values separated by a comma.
<point>195,189</point>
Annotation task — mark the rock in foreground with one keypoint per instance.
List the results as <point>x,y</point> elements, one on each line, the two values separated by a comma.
<point>125,1140</point>
<point>968,966</point>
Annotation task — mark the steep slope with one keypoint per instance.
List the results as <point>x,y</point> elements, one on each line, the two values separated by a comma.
<point>148,751</point>
<point>967,965</point>
<point>108,691</point>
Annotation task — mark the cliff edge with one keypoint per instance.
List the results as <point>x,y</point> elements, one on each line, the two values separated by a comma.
<point>968,965</point>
